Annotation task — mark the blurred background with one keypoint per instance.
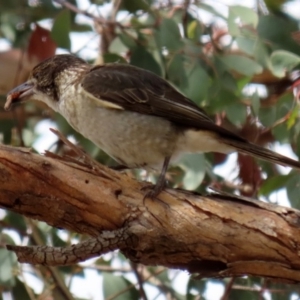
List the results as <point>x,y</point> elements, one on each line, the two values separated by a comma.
<point>233,58</point>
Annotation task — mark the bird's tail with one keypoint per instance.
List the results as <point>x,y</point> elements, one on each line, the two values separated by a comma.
<point>262,153</point>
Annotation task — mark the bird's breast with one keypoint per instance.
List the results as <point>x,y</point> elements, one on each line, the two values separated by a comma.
<point>133,139</point>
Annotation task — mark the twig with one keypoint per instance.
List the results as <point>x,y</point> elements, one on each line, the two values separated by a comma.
<point>14,112</point>
<point>140,280</point>
<point>97,19</point>
<point>133,285</point>
<point>104,268</point>
<point>185,16</point>
<point>228,289</point>
<point>116,7</point>
<point>60,284</point>
<point>27,287</point>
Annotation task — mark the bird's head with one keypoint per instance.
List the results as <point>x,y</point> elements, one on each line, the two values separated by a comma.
<point>46,80</point>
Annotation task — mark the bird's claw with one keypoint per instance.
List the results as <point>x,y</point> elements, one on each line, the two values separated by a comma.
<point>153,190</point>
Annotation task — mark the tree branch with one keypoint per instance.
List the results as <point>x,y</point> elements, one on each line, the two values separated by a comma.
<point>215,236</point>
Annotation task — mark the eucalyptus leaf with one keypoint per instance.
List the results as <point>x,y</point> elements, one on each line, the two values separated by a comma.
<point>19,291</point>
<point>245,14</point>
<point>142,58</point>
<point>197,286</point>
<point>133,6</point>
<point>194,167</point>
<point>242,64</point>
<point>8,264</point>
<point>236,113</point>
<point>274,183</point>
<point>61,29</point>
<point>194,30</point>
<point>293,189</point>
<point>169,34</point>
<point>113,58</point>
<point>283,61</point>
<point>113,284</point>
<point>198,83</point>
<point>239,16</point>
<point>267,116</point>
<point>176,71</point>
<point>255,103</point>
<point>240,294</point>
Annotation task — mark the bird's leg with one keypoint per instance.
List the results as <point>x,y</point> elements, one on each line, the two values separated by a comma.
<point>161,182</point>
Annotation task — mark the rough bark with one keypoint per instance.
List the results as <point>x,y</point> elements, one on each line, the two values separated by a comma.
<point>214,235</point>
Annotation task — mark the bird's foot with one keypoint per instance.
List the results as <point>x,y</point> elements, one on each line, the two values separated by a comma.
<point>154,190</point>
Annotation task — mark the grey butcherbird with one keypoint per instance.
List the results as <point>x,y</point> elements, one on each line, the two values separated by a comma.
<point>135,116</point>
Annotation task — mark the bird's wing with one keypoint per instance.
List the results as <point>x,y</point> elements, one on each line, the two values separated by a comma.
<point>121,86</point>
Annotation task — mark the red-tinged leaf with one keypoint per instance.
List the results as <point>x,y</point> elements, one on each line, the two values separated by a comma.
<point>249,174</point>
<point>41,45</point>
<point>219,158</point>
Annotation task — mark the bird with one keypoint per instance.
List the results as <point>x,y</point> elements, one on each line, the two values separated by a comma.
<point>134,115</point>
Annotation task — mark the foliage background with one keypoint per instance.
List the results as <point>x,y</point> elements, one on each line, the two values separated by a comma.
<point>231,60</point>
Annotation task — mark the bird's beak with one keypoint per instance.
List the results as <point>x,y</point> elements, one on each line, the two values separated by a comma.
<point>18,94</point>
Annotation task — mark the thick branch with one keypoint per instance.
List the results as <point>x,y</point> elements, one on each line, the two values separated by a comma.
<point>217,235</point>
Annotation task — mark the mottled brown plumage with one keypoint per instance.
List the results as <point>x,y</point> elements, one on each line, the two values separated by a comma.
<point>135,116</point>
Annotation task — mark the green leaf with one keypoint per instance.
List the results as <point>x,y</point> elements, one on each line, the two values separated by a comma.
<point>169,35</point>
<point>241,294</point>
<point>242,64</point>
<point>113,58</point>
<point>8,264</point>
<point>220,98</point>
<point>246,44</point>
<point>273,183</point>
<point>267,115</point>
<point>255,103</point>
<point>261,54</point>
<point>236,113</point>
<point>194,167</point>
<point>198,84</point>
<point>238,16</point>
<point>81,27</point>
<point>281,133</point>
<point>20,292</point>
<point>283,61</point>
<point>133,6</point>
<point>140,57</point>
<point>61,29</point>
<point>6,130</point>
<point>293,189</point>
<point>113,285</point>
<point>197,286</point>
<point>278,32</point>
<point>245,14</point>
<point>16,221</point>
<point>176,72</point>
<point>117,46</point>
<point>293,118</point>
<point>127,40</point>
<point>194,31</point>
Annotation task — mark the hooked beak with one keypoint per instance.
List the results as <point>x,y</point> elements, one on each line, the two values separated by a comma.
<point>18,94</point>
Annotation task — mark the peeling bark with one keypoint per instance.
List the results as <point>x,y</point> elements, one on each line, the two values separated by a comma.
<point>214,235</point>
